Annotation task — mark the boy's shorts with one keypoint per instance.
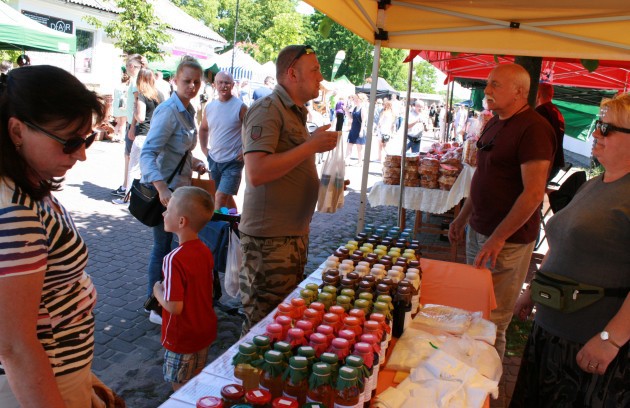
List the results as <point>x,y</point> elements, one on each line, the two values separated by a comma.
<point>179,368</point>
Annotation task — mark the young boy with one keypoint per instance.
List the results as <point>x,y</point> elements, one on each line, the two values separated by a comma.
<point>189,324</point>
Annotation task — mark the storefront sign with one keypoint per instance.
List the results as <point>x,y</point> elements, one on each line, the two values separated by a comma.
<point>56,23</point>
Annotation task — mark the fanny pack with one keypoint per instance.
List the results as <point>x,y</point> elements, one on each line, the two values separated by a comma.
<point>566,295</point>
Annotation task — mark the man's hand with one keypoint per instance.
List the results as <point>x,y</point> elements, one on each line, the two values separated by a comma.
<point>323,139</point>
<point>132,133</point>
<point>489,252</point>
<point>198,165</point>
<point>456,230</point>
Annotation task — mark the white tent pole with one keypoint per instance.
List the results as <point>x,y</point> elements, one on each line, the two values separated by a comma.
<point>403,161</point>
<point>368,142</point>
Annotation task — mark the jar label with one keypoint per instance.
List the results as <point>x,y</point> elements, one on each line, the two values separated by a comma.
<point>231,390</point>
<point>259,394</point>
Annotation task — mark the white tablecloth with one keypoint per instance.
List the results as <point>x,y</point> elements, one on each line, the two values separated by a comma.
<point>433,201</point>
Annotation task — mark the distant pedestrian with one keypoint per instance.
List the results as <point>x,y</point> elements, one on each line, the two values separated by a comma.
<point>220,140</point>
<point>120,107</point>
<point>358,128</point>
<point>265,90</point>
<point>5,67</point>
<point>386,127</point>
<point>190,323</point>
<point>549,111</point>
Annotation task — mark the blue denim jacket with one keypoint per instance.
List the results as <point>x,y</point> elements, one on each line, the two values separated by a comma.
<point>173,132</point>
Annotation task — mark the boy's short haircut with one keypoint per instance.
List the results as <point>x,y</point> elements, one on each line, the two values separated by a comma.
<point>196,204</point>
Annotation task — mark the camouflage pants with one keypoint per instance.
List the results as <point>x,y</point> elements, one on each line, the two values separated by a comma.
<point>271,269</point>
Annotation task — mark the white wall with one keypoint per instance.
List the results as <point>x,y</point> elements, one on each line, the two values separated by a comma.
<point>578,146</point>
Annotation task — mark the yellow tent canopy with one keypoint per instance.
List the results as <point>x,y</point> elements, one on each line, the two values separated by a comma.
<point>570,29</point>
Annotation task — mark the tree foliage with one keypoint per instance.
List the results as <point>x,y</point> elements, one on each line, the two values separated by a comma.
<point>136,29</point>
<point>424,77</point>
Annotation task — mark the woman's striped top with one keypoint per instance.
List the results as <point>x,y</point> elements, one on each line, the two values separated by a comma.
<point>34,238</point>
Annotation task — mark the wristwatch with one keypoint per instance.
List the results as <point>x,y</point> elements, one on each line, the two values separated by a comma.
<point>605,336</point>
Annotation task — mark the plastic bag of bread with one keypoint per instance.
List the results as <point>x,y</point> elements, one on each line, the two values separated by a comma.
<point>413,347</point>
<point>470,152</point>
<point>444,318</point>
<point>446,182</point>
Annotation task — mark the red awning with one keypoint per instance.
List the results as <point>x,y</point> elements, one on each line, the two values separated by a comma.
<point>567,72</point>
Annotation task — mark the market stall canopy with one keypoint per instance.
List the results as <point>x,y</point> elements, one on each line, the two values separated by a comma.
<point>383,89</point>
<point>575,29</point>
<point>245,67</point>
<point>18,32</point>
<point>559,71</point>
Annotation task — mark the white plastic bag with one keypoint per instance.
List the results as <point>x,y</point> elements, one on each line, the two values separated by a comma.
<point>331,182</point>
<point>233,265</point>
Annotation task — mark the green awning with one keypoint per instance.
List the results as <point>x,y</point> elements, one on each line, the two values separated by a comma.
<point>18,32</point>
<point>578,118</point>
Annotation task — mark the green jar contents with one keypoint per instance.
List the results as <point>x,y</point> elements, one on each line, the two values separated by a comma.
<point>296,379</point>
<point>350,293</point>
<point>232,394</point>
<point>262,343</point>
<point>308,296</point>
<point>257,398</point>
<point>344,301</point>
<point>347,392</point>
<point>285,349</point>
<point>271,376</point>
<point>320,388</point>
<point>332,290</point>
<point>313,287</point>
<point>309,353</point>
<point>243,368</point>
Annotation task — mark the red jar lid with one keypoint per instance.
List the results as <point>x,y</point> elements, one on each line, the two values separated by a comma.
<point>285,307</point>
<point>298,302</point>
<point>305,325</point>
<point>336,309</point>
<point>369,338</point>
<point>285,402</point>
<point>319,306</point>
<point>284,320</point>
<point>319,338</point>
<point>362,348</point>
<point>340,343</point>
<point>325,329</point>
<point>258,396</point>
<point>295,333</point>
<point>358,313</point>
<point>348,335</point>
<point>209,402</point>
<point>371,325</point>
<point>331,319</point>
<point>233,392</point>
<point>377,317</point>
<point>351,321</point>
<point>274,328</point>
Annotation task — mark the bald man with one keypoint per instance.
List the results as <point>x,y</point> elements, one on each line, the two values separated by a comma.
<point>516,149</point>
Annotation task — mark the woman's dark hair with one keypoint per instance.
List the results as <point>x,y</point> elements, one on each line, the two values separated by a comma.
<point>41,94</point>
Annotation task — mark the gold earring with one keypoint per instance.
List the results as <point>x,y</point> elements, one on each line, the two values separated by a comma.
<point>18,146</point>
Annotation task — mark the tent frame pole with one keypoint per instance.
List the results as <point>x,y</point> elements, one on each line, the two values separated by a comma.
<point>403,154</point>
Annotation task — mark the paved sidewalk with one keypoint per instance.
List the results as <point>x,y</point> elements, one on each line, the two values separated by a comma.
<point>128,354</point>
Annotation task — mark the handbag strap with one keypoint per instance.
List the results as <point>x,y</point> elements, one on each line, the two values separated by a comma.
<point>178,168</point>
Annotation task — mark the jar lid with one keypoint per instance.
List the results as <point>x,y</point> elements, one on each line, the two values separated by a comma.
<point>347,292</point>
<point>324,296</point>
<point>330,289</point>
<point>247,348</point>
<point>329,358</point>
<point>346,282</point>
<point>340,343</point>
<point>404,283</point>
<point>348,373</point>
<point>403,290</point>
<point>371,325</point>
<point>325,329</point>
<point>284,320</point>
<point>306,293</point>
<point>314,287</point>
<point>380,306</point>
<point>334,272</point>
<point>298,362</point>
<point>310,313</point>
<point>377,317</point>
<point>348,335</point>
<point>369,338</point>
<point>295,333</point>
<point>354,361</point>
<point>358,313</point>
<point>318,338</point>
<point>369,278</point>
<point>209,402</point>
<point>354,276</point>
<point>233,391</point>
<point>384,298</point>
<point>258,396</point>
<point>305,325</point>
<point>285,307</point>
<point>362,348</point>
<point>285,402</point>
<point>306,351</point>
<point>281,346</point>
<point>319,306</point>
<point>273,356</point>
<point>321,368</point>
<point>261,341</point>
<point>274,328</point>
<point>344,250</point>
<point>336,309</point>
<point>351,321</point>
<point>298,302</point>
<point>331,318</point>
<point>366,295</point>
<point>333,258</point>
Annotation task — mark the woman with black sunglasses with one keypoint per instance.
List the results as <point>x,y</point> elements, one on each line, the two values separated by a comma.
<point>578,354</point>
<point>46,298</point>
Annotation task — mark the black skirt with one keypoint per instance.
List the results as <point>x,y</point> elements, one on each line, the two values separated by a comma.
<point>549,376</point>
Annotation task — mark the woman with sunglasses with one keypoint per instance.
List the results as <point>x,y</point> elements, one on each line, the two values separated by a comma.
<point>581,357</point>
<point>46,298</point>
<point>171,139</point>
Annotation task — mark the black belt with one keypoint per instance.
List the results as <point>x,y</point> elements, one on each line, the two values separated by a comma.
<point>1,371</point>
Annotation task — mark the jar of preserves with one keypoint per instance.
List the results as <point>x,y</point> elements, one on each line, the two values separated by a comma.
<point>340,347</point>
<point>243,368</point>
<point>262,343</point>
<point>296,379</point>
<point>232,394</point>
<point>285,402</point>
<point>209,402</point>
<point>363,374</point>
<point>271,376</point>
<point>333,361</point>
<point>306,326</point>
<point>258,398</point>
<point>285,309</point>
<point>320,385</point>
<point>327,331</point>
<point>319,343</point>
<point>284,348</point>
<point>307,352</point>
<point>347,391</point>
<point>286,322</point>
<point>332,320</point>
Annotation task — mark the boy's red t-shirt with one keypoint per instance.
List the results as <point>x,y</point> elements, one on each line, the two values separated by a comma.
<point>187,272</point>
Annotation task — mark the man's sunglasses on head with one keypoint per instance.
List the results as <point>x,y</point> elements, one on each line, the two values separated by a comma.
<point>304,50</point>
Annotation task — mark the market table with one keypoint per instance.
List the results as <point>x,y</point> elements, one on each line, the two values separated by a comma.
<point>444,283</point>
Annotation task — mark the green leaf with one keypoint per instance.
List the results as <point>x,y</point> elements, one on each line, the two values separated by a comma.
<point>325,26</point>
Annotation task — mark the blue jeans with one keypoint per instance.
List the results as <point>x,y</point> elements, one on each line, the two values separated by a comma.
<point>414,146</point>
<point>162,243</point>
<point>227,176</point>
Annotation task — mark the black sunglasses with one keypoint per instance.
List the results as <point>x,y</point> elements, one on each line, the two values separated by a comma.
<point>605,128</point>
<point>70,145</point>
<point>488,146</point>
<point>305,50</point>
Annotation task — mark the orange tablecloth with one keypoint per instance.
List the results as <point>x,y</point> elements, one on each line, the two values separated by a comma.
<point>450,284</point>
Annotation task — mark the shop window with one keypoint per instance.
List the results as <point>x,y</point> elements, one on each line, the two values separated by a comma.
<point>85,48</point>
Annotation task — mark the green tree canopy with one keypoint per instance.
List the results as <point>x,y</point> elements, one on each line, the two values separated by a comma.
<point>136,30</point>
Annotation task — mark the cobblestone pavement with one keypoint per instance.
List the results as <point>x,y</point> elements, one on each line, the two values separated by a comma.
<point>128,355</point>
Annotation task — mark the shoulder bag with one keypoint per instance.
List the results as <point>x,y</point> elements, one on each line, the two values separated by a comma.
<point>144,199</point>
